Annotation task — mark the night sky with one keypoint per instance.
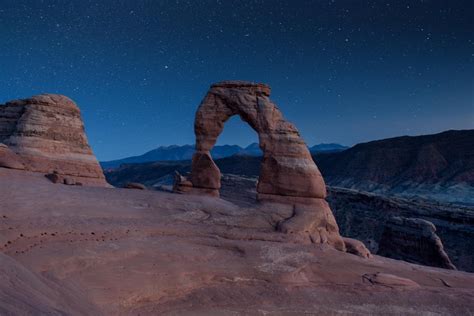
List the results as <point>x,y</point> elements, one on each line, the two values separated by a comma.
<point>342,71</point>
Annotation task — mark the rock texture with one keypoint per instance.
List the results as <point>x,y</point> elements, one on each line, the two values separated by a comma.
<point>47,133</point>
<point>9,159</point>
<point>414,240</point>
<point>23,292</point>
<point>288,174</point>
<point>389,280</point>
<point>142,252</point>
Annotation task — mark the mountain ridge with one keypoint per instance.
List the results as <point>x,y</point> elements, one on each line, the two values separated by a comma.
<point>185,152</point>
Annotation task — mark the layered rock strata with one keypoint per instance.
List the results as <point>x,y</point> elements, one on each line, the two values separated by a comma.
<point>46,134</point>
<point>10,160</point>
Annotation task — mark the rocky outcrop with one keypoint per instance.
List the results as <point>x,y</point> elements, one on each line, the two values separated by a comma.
<point>10,160</point>
<point>414,240</point>
<point>288,174</point>
<point>46,132</point>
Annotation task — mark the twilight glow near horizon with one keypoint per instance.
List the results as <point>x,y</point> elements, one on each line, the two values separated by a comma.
<point>342,71</point>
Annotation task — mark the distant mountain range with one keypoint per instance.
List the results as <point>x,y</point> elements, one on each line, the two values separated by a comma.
<point>409,165</point>
<point>439,166</point>
<point>185,152</point>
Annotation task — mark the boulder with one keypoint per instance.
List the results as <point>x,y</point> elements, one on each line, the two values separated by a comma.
<point>46,131</point>
<point>54,177</point>
<point>181,184</point>
<point>356,247</point>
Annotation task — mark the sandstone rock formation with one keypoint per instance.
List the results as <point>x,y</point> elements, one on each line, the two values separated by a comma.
<point>10,160</point>
<point>359,215</point>
<point>287,168</point>
<point>47,133</point>
<point>143,252</point>
<point>288,174</point>
<point>414,240</point>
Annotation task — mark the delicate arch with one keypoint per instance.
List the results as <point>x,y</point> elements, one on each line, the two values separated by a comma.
<point>287,166</point>
<point>288,173</point>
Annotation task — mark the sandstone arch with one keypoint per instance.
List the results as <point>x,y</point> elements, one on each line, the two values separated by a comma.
<point>287,167</point>
<point>288,173</point>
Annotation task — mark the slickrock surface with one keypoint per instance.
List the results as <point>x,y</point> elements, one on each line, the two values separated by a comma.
<point>23,292</point>
<point>130,252</point>
<point>46,131</point>
<point>414,240</point>
<point>288,172</point>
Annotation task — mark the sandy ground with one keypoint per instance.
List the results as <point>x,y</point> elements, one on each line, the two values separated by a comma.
<point>100,251</point>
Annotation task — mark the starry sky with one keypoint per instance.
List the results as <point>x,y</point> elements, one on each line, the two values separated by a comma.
<point>343,71</point>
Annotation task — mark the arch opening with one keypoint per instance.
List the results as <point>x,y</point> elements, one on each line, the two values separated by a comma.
<point>287,169</point>
<point>235,138</point>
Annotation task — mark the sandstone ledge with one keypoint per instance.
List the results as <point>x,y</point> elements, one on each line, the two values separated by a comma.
<point>148,253</point>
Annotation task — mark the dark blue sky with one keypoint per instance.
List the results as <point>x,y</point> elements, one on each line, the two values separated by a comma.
<point>342,71</point>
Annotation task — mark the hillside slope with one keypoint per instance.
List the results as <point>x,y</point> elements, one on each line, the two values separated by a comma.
<point>434,166</point>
